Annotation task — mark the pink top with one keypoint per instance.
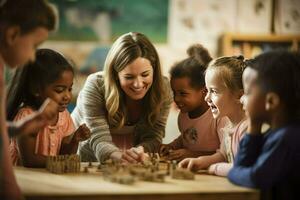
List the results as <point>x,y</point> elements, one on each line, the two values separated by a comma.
<point>8,185</point>
<point>49,139</point>
<point>199,134</point>
<point>229,147</point>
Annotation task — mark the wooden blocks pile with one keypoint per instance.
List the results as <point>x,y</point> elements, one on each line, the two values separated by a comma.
<point>63,164</point>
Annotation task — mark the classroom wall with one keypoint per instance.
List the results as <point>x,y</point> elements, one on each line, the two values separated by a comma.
<point>194,21</point>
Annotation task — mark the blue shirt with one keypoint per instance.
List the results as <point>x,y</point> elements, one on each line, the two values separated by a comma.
<point>270,162</point>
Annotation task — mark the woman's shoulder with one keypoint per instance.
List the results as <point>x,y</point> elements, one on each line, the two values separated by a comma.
<point>166,80</point>
<point>96,77</point>
<point>94,82</point>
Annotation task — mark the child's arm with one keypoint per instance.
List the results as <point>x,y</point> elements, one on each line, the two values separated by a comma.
<point>180,154</point>
<point>70,143</point>
<point>220,169</point>
<point>164,149</point>
<point>26,144</point>
<point>258,167</point>
<point>201,162</point>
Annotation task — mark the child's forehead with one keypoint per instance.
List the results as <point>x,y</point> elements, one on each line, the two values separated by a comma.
<point>183,80</point>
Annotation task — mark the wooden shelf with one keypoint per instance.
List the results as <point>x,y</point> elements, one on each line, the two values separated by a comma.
<point>251,44</point>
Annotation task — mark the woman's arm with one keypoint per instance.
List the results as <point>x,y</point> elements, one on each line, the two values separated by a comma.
<point>90,109</point>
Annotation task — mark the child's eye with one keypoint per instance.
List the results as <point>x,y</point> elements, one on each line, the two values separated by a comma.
<point>58,91</point>
<point>214,91</point>
<point>183,93</point>
<point>145,75</point>
<point>128,77</point>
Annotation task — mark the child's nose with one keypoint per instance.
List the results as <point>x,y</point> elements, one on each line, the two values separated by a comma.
<point>207,97</point>
<point>68,95</point>
<point>242,99</point>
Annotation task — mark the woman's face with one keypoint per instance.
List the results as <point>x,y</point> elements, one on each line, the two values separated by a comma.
<point>136,78</point>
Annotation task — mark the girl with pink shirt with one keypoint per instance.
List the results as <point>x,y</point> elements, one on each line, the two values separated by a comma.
<point>199,135</point>
<point>50,76</point>
<point>223,79</point>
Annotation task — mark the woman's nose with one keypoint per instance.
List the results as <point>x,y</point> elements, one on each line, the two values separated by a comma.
<point>138,82</point>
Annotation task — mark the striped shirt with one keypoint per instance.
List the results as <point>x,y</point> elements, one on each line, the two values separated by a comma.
<point>90,109</point>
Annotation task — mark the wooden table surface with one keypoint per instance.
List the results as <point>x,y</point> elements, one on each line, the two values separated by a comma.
<point>40,184</point>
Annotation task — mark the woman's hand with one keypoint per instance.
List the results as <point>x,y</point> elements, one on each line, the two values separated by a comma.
<point>134,155</point>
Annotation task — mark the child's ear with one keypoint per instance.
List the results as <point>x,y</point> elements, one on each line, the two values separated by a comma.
<point>272,101</point>
<point>12,34</point>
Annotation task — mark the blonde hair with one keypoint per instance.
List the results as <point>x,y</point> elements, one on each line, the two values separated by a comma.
<point>124,51</point>
<point>230,70</point>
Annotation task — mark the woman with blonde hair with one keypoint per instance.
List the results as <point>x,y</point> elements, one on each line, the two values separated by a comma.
<point>127,105</point>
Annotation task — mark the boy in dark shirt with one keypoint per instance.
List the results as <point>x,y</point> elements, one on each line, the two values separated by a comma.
<point>271,161</point>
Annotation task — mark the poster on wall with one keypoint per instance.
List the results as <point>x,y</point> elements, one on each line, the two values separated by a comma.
<point>103,21</point>
<point>254,16</point>
<point>200,21</point>
<point>287,17</point>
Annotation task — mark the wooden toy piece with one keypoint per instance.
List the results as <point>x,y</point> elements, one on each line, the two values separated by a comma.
<point>90,164</point>
<point>99,167</point>
<point>168,168</point>
<point>63,164</point>
<point>183,174</point>
<point>86,170</point>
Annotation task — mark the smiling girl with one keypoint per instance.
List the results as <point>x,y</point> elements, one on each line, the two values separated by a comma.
<point>50,76</point>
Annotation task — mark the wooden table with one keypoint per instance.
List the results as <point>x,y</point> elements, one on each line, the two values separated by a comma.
<point>40,184</point>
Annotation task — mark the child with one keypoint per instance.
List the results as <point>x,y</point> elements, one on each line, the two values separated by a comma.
<point>271,161</point>
<point>24,24</point>
<point>223,79</point>
<point>50,76</point>
<point>197,126</point>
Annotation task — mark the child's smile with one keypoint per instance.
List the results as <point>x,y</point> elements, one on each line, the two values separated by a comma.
<point>61,90</point>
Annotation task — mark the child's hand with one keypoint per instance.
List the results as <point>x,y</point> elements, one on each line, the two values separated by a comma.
<point>35,121</point>
<point>179,154</point>
<point>82,133</point>
<point>164,149</point>
<point>193,164</point>
<point>254,126</point>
